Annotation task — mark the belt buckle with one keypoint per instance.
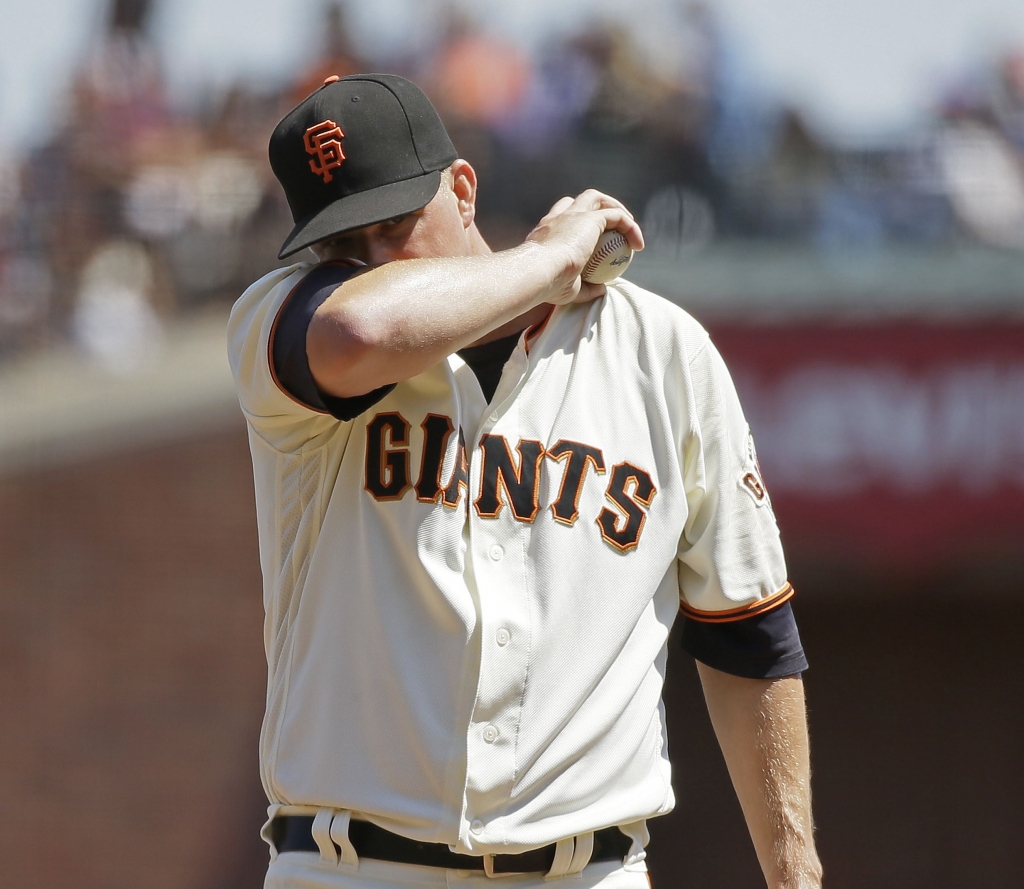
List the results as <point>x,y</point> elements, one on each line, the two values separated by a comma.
<point>490,873</point>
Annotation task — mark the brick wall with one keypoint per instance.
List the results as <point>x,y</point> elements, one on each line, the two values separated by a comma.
<point>132,682</point>
<point>132,670</point>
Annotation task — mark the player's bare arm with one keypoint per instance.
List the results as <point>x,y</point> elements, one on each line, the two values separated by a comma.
<point>437,287</point>
<point>761,726</point>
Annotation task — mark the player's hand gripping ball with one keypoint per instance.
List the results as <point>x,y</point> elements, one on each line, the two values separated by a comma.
<point>611,258</point>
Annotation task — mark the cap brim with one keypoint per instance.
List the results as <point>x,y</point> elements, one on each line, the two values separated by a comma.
<point>361,209</point>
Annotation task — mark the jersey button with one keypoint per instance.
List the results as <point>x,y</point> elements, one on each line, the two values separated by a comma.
<point>496,552</point>
<point>476,826</point>
<point>503,636</point>
<point>490,734</point>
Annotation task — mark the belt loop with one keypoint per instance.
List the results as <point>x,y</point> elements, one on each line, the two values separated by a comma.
<point>265,832</point>
<point>638,833</point>
<point>339,834</point>
<point>581,855</point>
<point>563,858</point>
<point>321,831</point>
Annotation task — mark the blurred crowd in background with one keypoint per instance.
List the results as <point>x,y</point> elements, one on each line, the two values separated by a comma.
<point>138,209</point>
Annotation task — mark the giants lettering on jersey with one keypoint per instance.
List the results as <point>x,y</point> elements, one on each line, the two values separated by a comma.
<point>509,476</point>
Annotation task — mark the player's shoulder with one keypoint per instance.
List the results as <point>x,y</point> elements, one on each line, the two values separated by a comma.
<point>262,311</point>
<point>266,296</point>
<point>262,299</point>
<point>255,312</point>
<point>655,318</point>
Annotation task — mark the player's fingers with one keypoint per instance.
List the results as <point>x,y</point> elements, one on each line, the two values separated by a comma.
<point>621,220</point>
<point>592,199</point>
<point>559,207</point>
<point>588,292</point>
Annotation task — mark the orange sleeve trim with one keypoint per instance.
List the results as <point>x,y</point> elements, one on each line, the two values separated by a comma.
<point>722,617</point>
<point>273,333</point>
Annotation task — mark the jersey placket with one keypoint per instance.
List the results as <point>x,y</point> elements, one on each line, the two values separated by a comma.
<point>497,547</point>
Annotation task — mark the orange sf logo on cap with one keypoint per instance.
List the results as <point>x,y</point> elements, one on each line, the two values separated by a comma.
<point>323,141</point>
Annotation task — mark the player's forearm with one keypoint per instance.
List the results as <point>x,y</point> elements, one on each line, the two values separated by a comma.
<point>397,320</point>
<point>762,728</point>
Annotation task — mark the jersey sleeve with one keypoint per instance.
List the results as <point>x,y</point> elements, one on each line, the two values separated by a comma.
<point>730,560</point>
<point>275,415</point>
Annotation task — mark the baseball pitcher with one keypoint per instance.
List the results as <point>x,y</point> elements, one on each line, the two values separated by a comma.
<point>485,490</point>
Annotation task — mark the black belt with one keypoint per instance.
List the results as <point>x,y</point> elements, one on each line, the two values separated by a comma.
<point>293,833</point>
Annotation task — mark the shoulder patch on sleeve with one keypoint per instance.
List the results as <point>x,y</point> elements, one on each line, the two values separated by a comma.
<point>751,481</point>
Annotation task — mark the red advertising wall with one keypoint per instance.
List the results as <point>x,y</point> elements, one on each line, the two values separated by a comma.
<point>889,444</point>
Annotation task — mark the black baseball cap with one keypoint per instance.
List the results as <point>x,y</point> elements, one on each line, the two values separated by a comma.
<point>358,151</point>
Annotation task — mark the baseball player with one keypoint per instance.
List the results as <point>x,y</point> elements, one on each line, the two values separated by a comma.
<point>485,489</point>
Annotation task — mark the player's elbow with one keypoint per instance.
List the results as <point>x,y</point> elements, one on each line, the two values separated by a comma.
<point>343,347</point>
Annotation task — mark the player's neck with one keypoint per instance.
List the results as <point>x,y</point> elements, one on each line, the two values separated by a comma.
<point>477,245</point>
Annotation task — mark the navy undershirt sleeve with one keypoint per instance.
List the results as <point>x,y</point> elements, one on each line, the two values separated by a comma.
<point>288,350</point>
<point>765,646</point>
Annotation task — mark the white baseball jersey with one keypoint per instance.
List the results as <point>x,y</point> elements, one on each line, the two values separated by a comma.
<point>468,603</point>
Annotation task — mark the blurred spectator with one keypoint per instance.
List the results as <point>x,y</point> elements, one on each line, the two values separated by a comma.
<point>785,197</point>
<point>563,86</point>
<point>26,287</point>
<point>628,93</point>
<point>1008,98</point>
<point>10,186</point>
<point>145,211</point>
<point>476,78</point>
<point>114,321</point>
<point>338,55</point>
<point>688,58</point>
<point>118,96</point>
<point>979,151</point>
<point>985,181</point>
<point>480,84</point>
<point>136,210</point>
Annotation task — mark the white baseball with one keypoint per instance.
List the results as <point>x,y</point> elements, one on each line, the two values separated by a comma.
<point>611,258</point>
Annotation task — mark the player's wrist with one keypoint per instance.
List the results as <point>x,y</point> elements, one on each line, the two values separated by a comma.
<point>551,271</point>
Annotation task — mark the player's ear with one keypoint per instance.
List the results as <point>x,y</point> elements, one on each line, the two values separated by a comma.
<point>464,188</point>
